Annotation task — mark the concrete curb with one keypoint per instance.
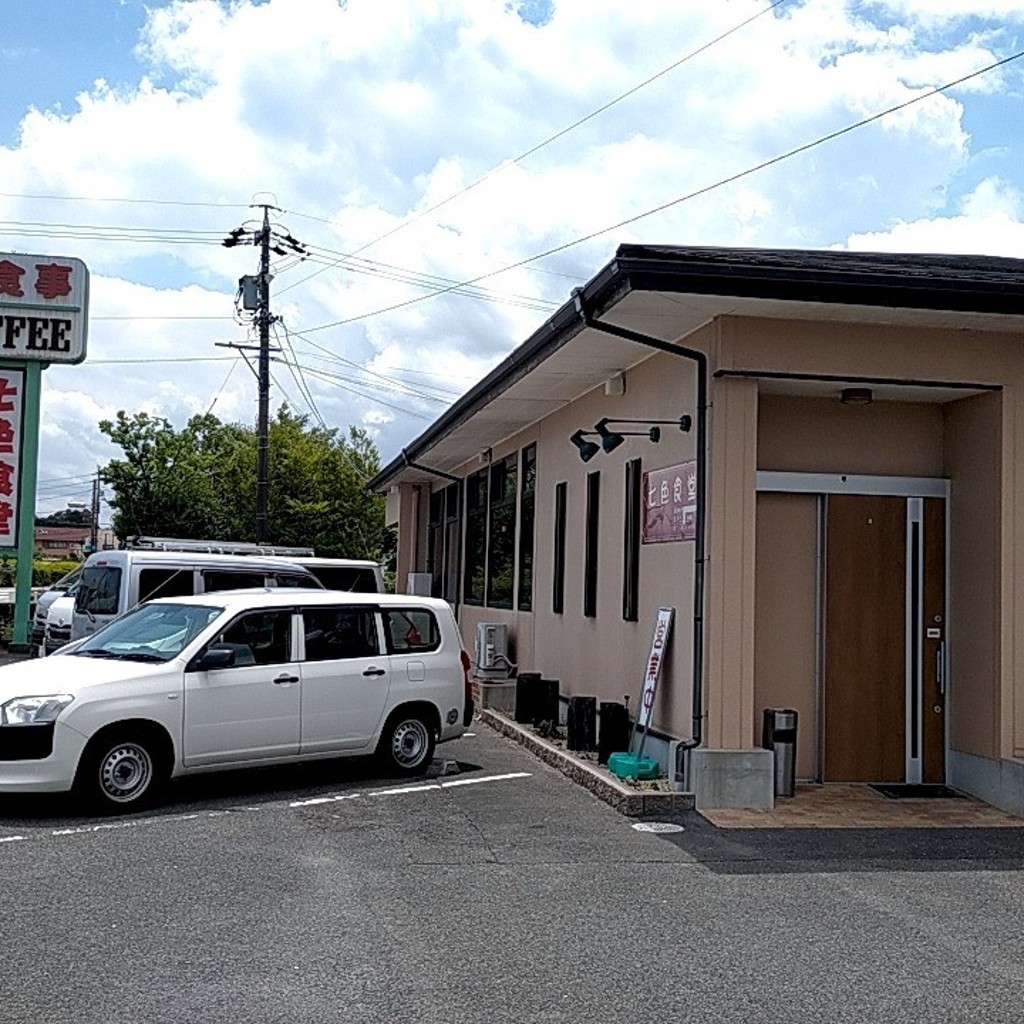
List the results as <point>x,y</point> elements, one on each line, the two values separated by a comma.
<point>634,803</point>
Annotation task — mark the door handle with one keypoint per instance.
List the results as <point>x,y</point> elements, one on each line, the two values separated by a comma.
<point>374,672</point>
<point>940,669</point>
<point>283,680</point>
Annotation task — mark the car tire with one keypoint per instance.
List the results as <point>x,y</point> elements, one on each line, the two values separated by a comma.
<point>407,744</point>
<point>121,772</point>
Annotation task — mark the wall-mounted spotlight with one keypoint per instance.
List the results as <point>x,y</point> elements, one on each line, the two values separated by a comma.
<point>587,449</point>
<point>611,439</point>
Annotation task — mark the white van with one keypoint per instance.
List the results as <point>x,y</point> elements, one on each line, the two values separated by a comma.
<point>354,575</point>
<point>37,630</point>
<point>112,582</point>
<point>357,576</point>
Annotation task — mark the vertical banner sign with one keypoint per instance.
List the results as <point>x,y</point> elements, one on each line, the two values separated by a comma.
<point>659,645</point>
<point>12,390</point>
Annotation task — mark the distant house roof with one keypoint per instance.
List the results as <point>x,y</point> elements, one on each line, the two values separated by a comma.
<point>669,291</point>
<point>69,534</point>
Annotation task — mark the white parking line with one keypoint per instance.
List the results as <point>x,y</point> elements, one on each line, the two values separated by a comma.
<point>400,790</point>
<point>170,819</point>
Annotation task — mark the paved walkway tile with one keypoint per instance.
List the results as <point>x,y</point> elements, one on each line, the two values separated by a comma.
<point>851,806</point>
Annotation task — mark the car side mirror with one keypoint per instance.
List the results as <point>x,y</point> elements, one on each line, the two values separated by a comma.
<point>213,658</point>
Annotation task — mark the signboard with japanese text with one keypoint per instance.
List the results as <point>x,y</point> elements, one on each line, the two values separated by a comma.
<point>12,389</point>
<point>44,303</point>
<point>670,504</point>
<point>652,673</point>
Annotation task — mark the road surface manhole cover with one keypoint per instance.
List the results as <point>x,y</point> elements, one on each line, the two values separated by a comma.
<point>658,826</point>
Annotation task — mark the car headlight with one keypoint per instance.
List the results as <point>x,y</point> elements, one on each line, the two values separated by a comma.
<point>33,710</point>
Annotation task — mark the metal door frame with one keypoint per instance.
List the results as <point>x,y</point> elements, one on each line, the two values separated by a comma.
<point>914,489</point>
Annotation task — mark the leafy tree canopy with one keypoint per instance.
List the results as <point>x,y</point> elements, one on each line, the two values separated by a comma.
<point>66,517</point>
<point>200,483</point>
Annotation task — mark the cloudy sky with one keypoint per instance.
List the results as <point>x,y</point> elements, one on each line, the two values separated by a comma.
<point>415,145</point>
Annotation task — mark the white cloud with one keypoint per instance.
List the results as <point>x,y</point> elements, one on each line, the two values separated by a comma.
<point>359,118</point>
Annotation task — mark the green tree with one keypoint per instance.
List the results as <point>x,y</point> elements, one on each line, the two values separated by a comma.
<point>200,482</point>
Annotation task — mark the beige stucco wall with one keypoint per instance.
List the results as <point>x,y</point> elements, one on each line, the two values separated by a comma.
<point>973,463</point>
<point>785,621</point>
<point>821,435</point>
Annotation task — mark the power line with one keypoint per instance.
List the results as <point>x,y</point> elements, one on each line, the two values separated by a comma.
<point>831,136</point>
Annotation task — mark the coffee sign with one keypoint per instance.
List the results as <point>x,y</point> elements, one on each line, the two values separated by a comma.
<point>44,303</point>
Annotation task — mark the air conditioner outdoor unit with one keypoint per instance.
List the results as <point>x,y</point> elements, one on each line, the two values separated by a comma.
<point>492,650</point>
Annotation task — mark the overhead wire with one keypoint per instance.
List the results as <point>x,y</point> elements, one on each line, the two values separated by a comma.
<point>553,138</point>
<point>660,208</point>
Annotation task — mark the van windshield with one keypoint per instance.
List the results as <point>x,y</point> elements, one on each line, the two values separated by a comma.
<point>98,590</point>
<point>150,632</point>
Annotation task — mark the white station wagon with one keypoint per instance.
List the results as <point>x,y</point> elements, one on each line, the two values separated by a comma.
<point>234,679</point>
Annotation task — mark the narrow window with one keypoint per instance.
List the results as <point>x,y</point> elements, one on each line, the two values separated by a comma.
<point>558,578</point>
<point>590,555</point>
<point>501,533</point>
<point>474,577</point>
<point>631,543</point>
<point>526,510</point>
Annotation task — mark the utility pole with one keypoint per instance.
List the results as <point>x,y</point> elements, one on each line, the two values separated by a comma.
<point>94,530</point>
<point>254,291</point>
<point>263,420</point>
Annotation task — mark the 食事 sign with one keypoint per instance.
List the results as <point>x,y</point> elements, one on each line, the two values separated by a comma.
<point>44,303</point>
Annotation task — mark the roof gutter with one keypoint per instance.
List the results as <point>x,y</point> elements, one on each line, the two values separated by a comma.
<point>427,469</point>
<point>699,553</point>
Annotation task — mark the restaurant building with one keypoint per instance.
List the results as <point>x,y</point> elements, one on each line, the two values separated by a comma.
<point>815,458</point>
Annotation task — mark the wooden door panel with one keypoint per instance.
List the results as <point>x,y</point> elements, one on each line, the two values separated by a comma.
<point>864,702</point>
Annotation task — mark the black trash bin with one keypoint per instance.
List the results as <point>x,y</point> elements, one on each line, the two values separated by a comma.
<point>779,735</point>
<point>613,735</point>
<point>527,687</point>
<point>581,723</point>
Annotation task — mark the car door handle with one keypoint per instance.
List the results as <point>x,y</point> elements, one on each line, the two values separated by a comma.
<point>374,672</point>
<point>281,680</point>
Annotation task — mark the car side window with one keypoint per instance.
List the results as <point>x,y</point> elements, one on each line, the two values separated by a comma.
<point>411,630</point>
<point>165,583</point>
<point>337,633</point>
<point>231,579</point>
<point>259,638</point>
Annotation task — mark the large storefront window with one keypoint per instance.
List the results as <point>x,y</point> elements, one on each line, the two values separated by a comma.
<point>443,544</point>
<point>501,545</point>
<point>475,574</point>
<point>527,500</point>
<point>495,562</point>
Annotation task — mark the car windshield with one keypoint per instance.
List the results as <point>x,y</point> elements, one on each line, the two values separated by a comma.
<point>150,632</point>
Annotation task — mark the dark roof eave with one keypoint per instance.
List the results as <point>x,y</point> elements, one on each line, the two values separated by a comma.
<point>977,284</point>
<point>561,327</point>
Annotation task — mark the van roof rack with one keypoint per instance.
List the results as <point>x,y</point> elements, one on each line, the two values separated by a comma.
<point>214,547</point>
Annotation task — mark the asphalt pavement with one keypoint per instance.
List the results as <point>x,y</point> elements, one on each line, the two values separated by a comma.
<point>495,890</point>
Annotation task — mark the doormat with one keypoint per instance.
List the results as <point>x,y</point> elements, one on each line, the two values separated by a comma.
<point>902,791</point>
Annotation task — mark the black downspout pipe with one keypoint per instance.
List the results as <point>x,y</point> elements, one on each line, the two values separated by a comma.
<point>699,553</point>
